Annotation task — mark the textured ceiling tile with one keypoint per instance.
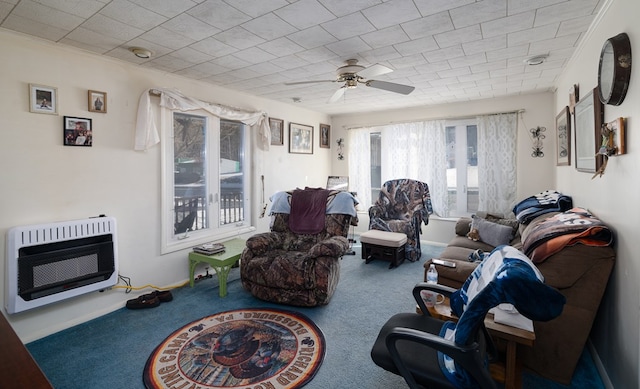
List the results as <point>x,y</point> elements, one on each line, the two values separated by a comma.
<point>255,8</point>
<point>468,34</point>
<point>519,22</point>
<point>163,37</point>
<point>348,46</point>
<point>91,40</point>
<point>430,7</point>
<point>34,28</point>
<point>408,61</point>
<point>213,47</point>
<point>281,47</point>
<point>478,12</point>
<point>485,45</point>
<point>83,9</point>
<point>444,54</point>
<point>191,55</point>
<point>218,14</point>
<point>187,25</point>
<point>509,52</point>
<point>230,62</point>
<point>381,54</point>
<point>558,13</point>
<point>289,62</point>
<point>348,26</point>
<point>132,14</point>
<point>254,55</point>
<point>305,13</point>
<point>239,38</point>
<point>105,25</point>
<point>417,46</point>
<point>553,44</point>
<point>575,25</point>
<point>168,9</point>
<point>32,11</point>
<point>342,7</point>
<point>388,36</point>
<point>317,54</point>
<point>429,25</point>
<point>391,12</point>
<point>269,27</point>
<point>548,31</point>
<point>312,37</point>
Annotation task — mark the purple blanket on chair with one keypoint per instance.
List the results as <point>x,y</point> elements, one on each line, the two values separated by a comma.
<point>308,209</point>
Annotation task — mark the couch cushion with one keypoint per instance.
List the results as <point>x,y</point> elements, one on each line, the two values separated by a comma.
<point>492,233</point>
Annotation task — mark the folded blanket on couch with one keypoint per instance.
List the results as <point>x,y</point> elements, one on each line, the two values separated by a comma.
<point>544,202</point>
<point>574,226</point>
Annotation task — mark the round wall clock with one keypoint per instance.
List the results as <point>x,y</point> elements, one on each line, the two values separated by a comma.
<point>614,70</point>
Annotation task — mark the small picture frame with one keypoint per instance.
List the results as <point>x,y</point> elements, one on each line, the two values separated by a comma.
<point>616,137</point>
<point>77,132</point>
<point>277,131</point>
<point>325,136</point>
<point>97,101</point>
<point>300,139</point>
<point>563,136</point>
<point>43,99</point>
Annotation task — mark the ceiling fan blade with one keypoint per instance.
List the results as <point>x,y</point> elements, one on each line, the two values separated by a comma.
<point>391,87</point>
<point>374,70</point>
<point>307,82</point>
<point>337,95</point>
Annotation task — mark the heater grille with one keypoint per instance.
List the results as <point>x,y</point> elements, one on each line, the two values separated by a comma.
<point>51,262</point>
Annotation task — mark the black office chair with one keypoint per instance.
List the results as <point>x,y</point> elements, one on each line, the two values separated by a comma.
<point>429,352</point>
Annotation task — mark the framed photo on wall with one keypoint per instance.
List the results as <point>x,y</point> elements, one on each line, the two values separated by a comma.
<point>277,131</point>
<point>77,132</point>
<point>43,99</point>
<point>325,136</point>
<point>97,101</point>
<point>300,139</point>
<point>563,136</point>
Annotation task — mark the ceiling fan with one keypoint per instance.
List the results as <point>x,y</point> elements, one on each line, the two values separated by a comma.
<point>353,74</point>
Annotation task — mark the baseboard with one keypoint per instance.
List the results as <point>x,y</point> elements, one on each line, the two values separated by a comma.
<point>601,370</point>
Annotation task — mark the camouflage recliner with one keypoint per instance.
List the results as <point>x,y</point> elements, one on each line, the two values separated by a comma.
<point>296,269</point>
<point>402,206</point>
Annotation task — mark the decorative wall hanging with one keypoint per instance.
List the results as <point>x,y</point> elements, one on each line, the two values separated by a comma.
<point>97,101</point>
<point>300,139</point>
<point>277,131</point>
<point>340,143</point>
<point>588,123</point>
<point>77,131</point>
<point>563,136</point>
<point>537,135</point>
<point>614,69</point>
<point>325,135</point>
<point>574,97</point>
<point>613,143</point>
<point>43,99</point>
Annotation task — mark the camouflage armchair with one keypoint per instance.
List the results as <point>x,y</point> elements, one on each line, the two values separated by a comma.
<point>402,206</point>
<point>296,269</point>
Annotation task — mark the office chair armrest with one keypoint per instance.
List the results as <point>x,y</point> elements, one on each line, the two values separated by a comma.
<point>467,357</point>
<point>445,290</point>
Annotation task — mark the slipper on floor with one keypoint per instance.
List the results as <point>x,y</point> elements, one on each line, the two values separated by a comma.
<point>163,295</point>
<point>142,302</point>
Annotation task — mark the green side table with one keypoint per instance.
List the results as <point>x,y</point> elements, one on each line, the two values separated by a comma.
<point>221,262</point>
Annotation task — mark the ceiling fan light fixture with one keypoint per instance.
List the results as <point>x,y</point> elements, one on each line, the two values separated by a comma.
<point>536,60</point>
<point>141,52</point>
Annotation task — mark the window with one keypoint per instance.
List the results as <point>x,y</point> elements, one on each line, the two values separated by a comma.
<point>376,165</point>
<point>462,167</point>
<point>206,183</point>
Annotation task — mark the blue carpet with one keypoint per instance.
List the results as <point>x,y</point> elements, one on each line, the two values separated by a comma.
<point>111,351</point>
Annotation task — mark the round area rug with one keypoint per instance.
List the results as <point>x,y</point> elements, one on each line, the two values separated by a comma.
<point>257,348</point>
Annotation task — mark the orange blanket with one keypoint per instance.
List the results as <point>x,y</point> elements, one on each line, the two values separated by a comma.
<point>574,226</point>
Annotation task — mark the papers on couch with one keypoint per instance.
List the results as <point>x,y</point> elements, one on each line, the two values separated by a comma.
<point>506,314</point>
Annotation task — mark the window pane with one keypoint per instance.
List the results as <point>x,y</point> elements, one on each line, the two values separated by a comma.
<point>232,172</point>
<point>472,169</point>
<point>189,147</point>
<point>452,177</point>
<point>376,165</point>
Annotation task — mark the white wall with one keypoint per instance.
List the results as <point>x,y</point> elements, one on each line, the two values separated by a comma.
<point>533,175</point>
<point>44,181</point>
<point>614,197</point>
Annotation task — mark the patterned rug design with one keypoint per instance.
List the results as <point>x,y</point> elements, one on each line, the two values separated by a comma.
<point>255,347</point>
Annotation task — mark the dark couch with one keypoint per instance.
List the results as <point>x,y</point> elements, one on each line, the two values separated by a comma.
<point>579,272</point>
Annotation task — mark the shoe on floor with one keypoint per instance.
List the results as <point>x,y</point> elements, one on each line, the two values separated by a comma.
<point>142,302</point>
<point>163,295</point>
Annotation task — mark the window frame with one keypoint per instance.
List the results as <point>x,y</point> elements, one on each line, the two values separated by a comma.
<point>171,242</point>
<point>461,153</point>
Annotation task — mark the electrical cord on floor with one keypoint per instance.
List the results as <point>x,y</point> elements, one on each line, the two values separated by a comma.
<point>128,288</point>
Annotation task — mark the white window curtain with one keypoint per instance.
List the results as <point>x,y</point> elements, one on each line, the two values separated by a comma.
<point>497,141</point>
<point>409,150</point>
<point>147,131</point>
